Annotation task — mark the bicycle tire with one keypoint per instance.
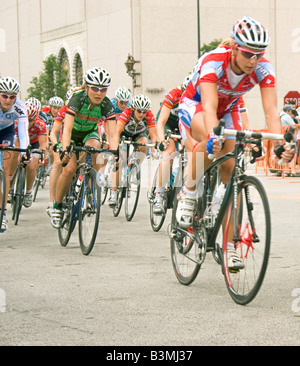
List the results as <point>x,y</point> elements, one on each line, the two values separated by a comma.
<point>19,194</point>
<point>37,183</point>
<point>68,223</point>
<point>89,212</point>
<point>156,221</point>
<point>254,230</point>
<point>184,250</point>
<point>3,194</point>
<point>133,189</point>
<point>104,191</point>
<point>118,206</point>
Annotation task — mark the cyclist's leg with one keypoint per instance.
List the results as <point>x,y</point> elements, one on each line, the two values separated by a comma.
<point>31,169</point>
<point>54,175</point>
<point>194,134</point>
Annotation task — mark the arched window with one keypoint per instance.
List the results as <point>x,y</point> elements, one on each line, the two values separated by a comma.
<point>64,61</point>
<point>78,70</point>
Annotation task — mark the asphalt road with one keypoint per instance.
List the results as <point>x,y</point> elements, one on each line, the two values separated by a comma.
<point>125,292</point>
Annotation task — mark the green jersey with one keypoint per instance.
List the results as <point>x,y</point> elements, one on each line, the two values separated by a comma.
<point>86,116</point>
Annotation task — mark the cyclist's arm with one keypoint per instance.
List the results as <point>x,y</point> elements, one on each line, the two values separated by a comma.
<point>67,133</point>
<point>120,129</point>
<point>23,132</point>
<point>269,101</point>
<point>209,97</point>
<point>55,130</point>
<point>162,120</point>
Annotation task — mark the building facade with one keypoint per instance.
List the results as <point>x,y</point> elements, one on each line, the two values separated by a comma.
<point>162,36</point>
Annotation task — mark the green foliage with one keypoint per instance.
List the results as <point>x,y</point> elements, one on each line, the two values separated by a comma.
<point>210,46</point>
<point>52,81</point>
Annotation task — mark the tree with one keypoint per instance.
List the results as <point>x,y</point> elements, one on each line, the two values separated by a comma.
<point>52,81</point>
<point>210,46</point>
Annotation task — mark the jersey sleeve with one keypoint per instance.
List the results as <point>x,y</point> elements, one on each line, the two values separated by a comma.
<point>125,116</point>
<point>108,109</point>
<point>150,119</point>
<point>265,74</point>
<point>76,102</point>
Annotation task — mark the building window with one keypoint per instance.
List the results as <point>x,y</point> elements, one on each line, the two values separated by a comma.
<point>64,61</point>
<point>78,71</point>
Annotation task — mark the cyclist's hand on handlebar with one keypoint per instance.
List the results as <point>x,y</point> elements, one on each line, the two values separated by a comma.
<point>64,157</point>
<point>26,160</point>
<point>213,146</point>
<point>284,152</point>
<point>163,145</point>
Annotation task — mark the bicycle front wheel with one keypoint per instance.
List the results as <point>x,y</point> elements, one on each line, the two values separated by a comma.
<point>19,192</point>
<point>132,191</point>
<point>2,195</point>
<point>252,242</point>
<point>89,212</point>
<point>156,220</point>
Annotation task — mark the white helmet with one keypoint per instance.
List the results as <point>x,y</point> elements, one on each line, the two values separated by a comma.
<point>56,102</point>
<point>35,101</point>
<point>97,76</point>
<point>141,102</point>
<point>123,94</point>
<point>9,85</point>
<point>70,92</point>
<point>250,33</point>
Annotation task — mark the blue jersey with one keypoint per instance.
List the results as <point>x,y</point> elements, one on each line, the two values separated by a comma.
<point>18,113</point>
<point>117,109</point>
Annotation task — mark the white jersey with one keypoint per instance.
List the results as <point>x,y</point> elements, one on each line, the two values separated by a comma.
<point>17,112</point>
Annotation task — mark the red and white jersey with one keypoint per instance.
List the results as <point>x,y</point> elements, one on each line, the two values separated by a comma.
<point>37,129</point>
<point>61,114</point>
<point>214,67</point>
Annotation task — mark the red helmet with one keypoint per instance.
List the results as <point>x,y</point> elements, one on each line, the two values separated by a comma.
<point>32,110</point>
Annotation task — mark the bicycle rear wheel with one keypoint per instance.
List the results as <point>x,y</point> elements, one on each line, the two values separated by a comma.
<point>19,192</point>
<point>185,252</point>
<point>2,195</point>
<point>37,182</point>
<point>89,212</point>
<point>118,206</point>
<point>156,221</point>
<point>132,191</point>
<point>253,224</point>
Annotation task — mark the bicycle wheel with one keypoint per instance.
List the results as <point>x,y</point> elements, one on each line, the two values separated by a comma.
<point>185,252</point>
<point>89,211</point>
<point>156,221</point>
<point>2,195</point>
<point>19,192</point>
<point>104,191</point>
<point>118,206</point>
<point>253,224</point>
<point>37,183</point>
<point>132,191</point>
<point>69,221</point>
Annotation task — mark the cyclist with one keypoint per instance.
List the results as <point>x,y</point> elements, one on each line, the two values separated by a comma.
<point>86,108</point>
<point>121,100</point>
<point>167,119</point>
<point>55,138</point>
<point>11,109</point>
<point>136,122</point>
<point>220,77</point>
<point>37,132</point>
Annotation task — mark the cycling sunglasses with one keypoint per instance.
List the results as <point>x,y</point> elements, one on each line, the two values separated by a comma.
<point>96,89</point>
<point>140,111</point>
<point>12,97</point>
<point>249,54</point>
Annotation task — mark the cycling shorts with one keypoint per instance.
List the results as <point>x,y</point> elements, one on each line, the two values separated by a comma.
<point>189,108</point>
<point>81,137</point>
<point>7,136</point>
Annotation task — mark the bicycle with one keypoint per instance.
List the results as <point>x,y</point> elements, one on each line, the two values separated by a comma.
<point>82,201</point>
<point>243,217</point>
<point>18,183</point>
<point>156,220</point>
<point>130,181</point>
